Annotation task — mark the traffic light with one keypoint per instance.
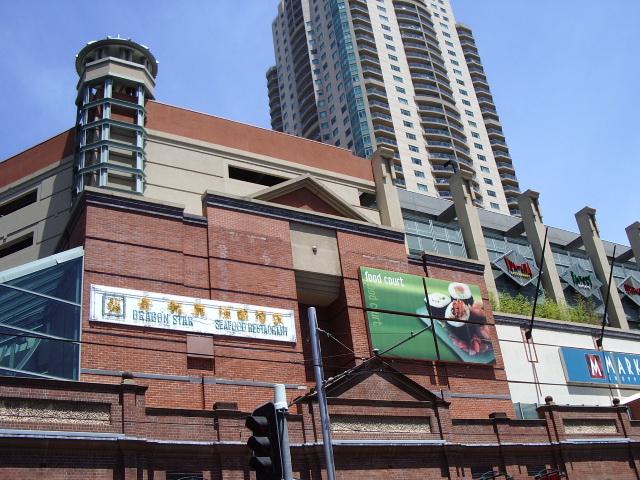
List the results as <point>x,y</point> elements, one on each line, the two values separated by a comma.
<point>265,443</point>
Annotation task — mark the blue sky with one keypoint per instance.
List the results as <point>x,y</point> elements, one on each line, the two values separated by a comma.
<point>564,73</point>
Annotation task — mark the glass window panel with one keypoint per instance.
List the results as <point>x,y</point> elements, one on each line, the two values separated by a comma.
<point>31,312</point>
<point>424,229</point>
<point>500,245</point>
<point>442,247</point>
<point>29,354</point>
<point>414,243</point>
<point>458,251</point>
<point>410,225</point>
<point>439,232</point>
<point>61,281</point>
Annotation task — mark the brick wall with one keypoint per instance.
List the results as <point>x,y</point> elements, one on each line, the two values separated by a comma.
<point>247,258</point>
<point>139,441</point>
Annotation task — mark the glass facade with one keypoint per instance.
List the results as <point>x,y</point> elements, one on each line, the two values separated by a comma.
<point>40,317</point>
<point>351,80</point>
<point>424,234</point>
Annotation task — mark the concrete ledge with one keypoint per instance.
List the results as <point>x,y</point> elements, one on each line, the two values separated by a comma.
<point>550,324</point>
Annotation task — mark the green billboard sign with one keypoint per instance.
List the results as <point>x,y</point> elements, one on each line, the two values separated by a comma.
<point>425,318</point>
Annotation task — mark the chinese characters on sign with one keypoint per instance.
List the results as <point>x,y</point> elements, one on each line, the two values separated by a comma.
<point>172,312</point>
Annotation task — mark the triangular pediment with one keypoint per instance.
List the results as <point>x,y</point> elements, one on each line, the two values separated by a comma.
<point>307,193</point>
<point>376,381</point>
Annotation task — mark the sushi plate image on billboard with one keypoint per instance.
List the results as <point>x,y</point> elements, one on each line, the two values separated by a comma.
<point>449,317</point>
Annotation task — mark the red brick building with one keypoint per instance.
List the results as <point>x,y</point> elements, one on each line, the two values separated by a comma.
<point>232,213</point>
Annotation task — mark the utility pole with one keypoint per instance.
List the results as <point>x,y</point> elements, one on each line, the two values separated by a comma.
<point>322,399</point>
<point>282,410</point>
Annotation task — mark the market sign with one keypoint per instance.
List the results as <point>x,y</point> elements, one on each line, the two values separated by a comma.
<point>517,267</point>
<point>449,315</point>
<point>630,288</point>
<point>582,281</point>
<point>596,367</point>
<point>185,314</point>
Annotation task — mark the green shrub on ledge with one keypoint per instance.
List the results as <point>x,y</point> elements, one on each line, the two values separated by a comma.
<point>582,311</point>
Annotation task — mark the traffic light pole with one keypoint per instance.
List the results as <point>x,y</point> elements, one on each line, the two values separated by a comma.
<point>282,410</point>
<point>322,399</point>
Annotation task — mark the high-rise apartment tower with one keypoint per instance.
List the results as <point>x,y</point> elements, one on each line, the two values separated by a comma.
<point>361,74</point>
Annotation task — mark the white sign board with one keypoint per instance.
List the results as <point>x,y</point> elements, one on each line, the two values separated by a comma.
<point>172,312</point>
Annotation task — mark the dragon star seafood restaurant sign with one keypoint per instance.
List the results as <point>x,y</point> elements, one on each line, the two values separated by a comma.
<point>185,314</point>
<point>450,316</point>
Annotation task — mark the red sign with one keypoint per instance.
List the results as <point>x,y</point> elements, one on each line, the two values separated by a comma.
<point>630,290</point>
<point>594,362</point>
<point>519,269</point>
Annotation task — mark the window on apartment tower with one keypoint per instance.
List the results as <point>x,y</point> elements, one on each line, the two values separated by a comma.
<point>488,181</point>
<point>422,187</point>
<point>413,148</point>
<point>416,161</point>
<point>482,157</point>
<point>411,136</point>
<point>494,206</point>
<point>407,124</point>
<point>491,193</point>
